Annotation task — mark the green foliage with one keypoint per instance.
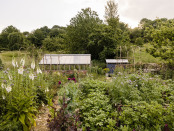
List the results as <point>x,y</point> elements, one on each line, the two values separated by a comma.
<point>20,94</point>
<point>161,39</point>
<point>53,44</point>
<point>94,105</point>
<point>79,30</point>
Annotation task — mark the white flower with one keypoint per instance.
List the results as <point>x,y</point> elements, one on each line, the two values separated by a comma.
<point>20,70</point>
<point>10,77</point>
<point>33,65</point>
<point>31,76</point>
<point>39,71</point>
<point>16,64</point>
<point>13,63</point>
<point>22,62</point>
<point>3,97</point>
<point>8,88</point>
<point>47,90</point>
<point>2,85</point>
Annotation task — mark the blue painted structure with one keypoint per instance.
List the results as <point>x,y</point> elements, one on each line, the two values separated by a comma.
<point>112,63</point>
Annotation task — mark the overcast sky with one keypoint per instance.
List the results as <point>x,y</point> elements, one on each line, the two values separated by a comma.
<point>28,15</point>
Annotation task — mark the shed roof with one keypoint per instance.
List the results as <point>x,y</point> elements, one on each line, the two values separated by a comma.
<point>115,61</point>
<point>66,59</point>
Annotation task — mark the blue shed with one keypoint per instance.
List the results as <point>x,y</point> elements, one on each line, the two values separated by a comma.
<point>111,63</point>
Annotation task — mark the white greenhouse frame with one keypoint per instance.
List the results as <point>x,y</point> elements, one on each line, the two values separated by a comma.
<point>76,60</point>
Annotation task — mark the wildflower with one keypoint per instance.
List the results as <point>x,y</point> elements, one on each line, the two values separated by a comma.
<point>5,81</point>
<point>16,64</point>
<point>58,73</point>
<point>8,69</point>
<point>69,78</point>
<point>47,90</point>
<point>59,82</point>
<point>8,88</point>
<point>10,77</point>
<point>73,79</point>
<point>13,63</point>
<point>33,65</point>
<point>31,76</point>
<point>166,128</point>
<point>20,70</point>
<point>22,62</point>
<point>3,97</point>
<point>39,71</point>
<point>68,99</point>
<point>12,85</point>
<point>5,72</point>
<point>2,85</point>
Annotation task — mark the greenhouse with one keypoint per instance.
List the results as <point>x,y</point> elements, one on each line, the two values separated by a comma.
<point>65,61</point>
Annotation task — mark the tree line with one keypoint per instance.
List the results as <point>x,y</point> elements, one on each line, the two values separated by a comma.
<point>87,33</point>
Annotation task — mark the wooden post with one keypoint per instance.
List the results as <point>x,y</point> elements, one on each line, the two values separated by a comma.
<point>134,59</point>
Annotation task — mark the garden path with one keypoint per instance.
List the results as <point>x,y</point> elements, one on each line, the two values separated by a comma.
<point>41,120</point>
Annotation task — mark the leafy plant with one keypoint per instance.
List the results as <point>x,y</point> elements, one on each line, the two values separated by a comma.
<point>63,120</point>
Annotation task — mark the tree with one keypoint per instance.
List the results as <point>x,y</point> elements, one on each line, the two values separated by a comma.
<point>53,44</point>
<point>79,30</point>
<point>4,41</point>
<point>111,10</point>
<point>37,36</point>
<point>16,41</point>
<point>162,44</point>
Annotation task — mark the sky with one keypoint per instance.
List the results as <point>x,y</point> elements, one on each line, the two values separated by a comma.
<point>28,15</point>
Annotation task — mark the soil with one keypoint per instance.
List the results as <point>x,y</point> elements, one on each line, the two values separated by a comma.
<point>41,118</point>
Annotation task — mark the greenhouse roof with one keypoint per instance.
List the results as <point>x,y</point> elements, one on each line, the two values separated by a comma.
<point>116,61</point>
<point>66,59</point>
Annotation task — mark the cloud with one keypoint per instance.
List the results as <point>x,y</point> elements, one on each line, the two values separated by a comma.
<point>138,9</point>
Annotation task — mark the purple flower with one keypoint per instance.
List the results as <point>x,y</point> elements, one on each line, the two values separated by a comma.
<point>5,81</point>
<point>133,129</point>
<point>73,79</point>
<point>166,125</point>
<point>69,79</point>
<point>59,82</point>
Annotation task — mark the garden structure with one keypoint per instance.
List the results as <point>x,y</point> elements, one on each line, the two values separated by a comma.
<point>113,63</point>
<point>65,61</point>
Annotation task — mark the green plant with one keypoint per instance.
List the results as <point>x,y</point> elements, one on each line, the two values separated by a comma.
<point>21,90</point>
